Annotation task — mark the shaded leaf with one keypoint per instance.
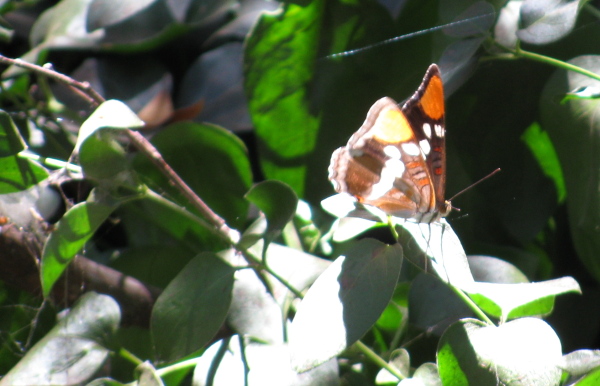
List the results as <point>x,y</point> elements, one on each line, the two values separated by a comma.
<point>433,306</point>
<point>153,217</point>
<point>574,128</point>
<point>74,350</point>
<point>493,270</point>
<point>103,13</point>
<point>278,202</point>
<point>192,308</point>
<point>211,160</point>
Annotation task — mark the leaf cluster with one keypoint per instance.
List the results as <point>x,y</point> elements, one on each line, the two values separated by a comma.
<point>161,188</point>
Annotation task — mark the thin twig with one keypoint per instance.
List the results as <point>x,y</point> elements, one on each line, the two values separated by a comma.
<point>87,92</point>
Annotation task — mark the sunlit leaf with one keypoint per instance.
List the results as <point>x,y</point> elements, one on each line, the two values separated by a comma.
<point>344,302</point>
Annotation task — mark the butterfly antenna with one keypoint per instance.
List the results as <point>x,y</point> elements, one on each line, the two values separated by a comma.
<point>473,185</point>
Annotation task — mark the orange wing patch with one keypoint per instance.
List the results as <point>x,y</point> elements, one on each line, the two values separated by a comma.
<point>432,101</point>
<point>393,127</point>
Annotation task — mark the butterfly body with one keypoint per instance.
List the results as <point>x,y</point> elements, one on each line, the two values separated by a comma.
<point>396,161</point>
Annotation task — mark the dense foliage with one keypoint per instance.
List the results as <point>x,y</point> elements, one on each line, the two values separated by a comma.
<point>163,170</point>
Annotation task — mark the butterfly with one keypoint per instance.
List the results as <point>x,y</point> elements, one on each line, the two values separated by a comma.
<point>396,161</point>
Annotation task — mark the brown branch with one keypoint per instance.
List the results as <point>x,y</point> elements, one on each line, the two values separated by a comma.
<point>50,73</point>
<point>19,253</point>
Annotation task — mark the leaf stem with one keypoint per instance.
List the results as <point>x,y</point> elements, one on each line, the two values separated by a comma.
<point>592,10</point>
<point>379,361</point>
<point>521,53</point>
<point>131,357</point>
<point>187,364</point>
<point>478,312</point>
<point>51,162</point>
<point>254,260</point>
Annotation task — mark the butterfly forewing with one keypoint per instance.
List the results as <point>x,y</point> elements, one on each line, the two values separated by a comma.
<point>426,113</point>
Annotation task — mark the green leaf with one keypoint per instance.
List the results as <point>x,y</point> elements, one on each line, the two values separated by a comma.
<point>344,302</point>
<point>395,315</point>
<point>211,160</point>
<point>545,22</point>
<point>102,157</point>
<point>11,142</point>
<point>590,379</point>
<point>73,230</point>
<point>574,128</point>
<point>543,150</point>
<point>525,352</point>
<point>522,299</point>
<point>75,349</point>
<point>19,174</point>
<point>278,202</point>
<point>192,308</point>
<point>276,50</point>
<point>110,114</point>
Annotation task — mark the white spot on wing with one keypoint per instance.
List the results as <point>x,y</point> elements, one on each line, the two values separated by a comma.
<point>392,152</point>
<point>411,149</point>
<point>427,129</point>
<point>439,131</point>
